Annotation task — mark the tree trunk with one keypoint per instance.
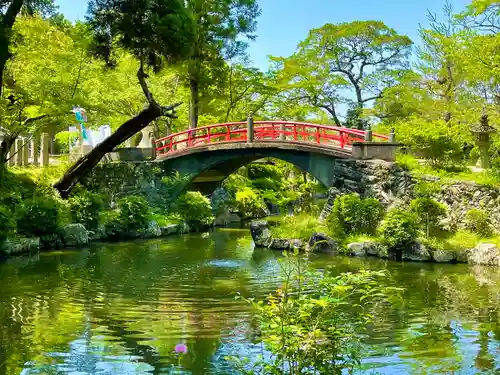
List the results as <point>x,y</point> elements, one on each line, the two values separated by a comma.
<point>331,110</point>
<point>5,34</point>
<point>89,161</point>
<point>194,104</point>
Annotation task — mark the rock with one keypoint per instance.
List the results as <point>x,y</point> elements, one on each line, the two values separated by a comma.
<point>279,244</point>
<point>296,244</point>
<point>321,243</point>
<point>443,256</point>
<point>226,218</point>
<point>153,229</point>
<point>17,246</point>
<point>261,234</point>
<point>74,235</point>
<point>98,234</point>
<point>52,241</point>
<point>462,255</point>
<point>356,249</point>
<point>416,253</point>
<point>485,253</point>
<point>373,248</point>
<point>185,228</point>
<point>171,229</point>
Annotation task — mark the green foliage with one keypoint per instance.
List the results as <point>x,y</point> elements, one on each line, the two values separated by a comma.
<point>64,139</point>
<point>133,213</point>
<point>399,228</point>
<point>85,208</point>
<point>428,212</point>
<point>352,214</point>
<point>300,226</point>
<point>318,331</point>
<point>249,203</point>
<point>7,223</point>
<point>195,208</point>
<point>38,217</point>
<point>260,170</point>
<point>266,183</point>
<point>478,221</point>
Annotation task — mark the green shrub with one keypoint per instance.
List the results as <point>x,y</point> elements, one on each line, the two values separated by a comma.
<point>298,226</point>
<point>257,170</point>
<point>479,222</point>
<point>133,213</point>
<point>195,208</point>
<point>38,217</point>
<point>399,228</point>
<point>7,223</point>
<point>85,209</point>
<point>352,214</point>
<point>428,213</point>
<point>249,203</point>
<point>266,183</point>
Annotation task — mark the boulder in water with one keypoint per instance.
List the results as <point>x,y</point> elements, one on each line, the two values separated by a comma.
<point>321,243</point>
<point>261,234</point>
<point>416,253</point>
<point>74,235</point>
<point>485,254</point>
<point>444,256</point>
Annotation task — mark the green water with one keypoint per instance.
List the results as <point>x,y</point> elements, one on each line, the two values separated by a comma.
<point>122,308</point>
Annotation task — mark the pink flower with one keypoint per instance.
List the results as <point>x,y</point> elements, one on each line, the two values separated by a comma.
<point>181,348</point>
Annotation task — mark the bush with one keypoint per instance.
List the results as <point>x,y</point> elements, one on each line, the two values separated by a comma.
<point>399,228</point>
<point>133,213</point>
<point>428,213</point>
<point>298,227</point>
<point>85,209</point>
<point>249,203</point>
<point>256,171</point>
<point>195,208</point>
<point>266,183</point>
<point>351,215</point>
<point>39,217</point>
<point>7,223</point>
<point>479,222</point>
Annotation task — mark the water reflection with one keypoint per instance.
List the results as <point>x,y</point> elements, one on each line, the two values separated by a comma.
<point>122,308</point>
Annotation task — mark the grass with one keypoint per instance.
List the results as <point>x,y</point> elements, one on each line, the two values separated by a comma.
<point>48,175</point>
<point>418,168</point>
<point>461,240</point>
<point>298,227</point>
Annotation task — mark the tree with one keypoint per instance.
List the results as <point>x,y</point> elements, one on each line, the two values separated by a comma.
<point>154,32</point>
<point>308,83</point>
<point>367,55</point>
<point>218,26</point>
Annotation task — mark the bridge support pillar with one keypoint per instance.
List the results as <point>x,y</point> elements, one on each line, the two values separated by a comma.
<point>374,150</point>
<point>250,133</point>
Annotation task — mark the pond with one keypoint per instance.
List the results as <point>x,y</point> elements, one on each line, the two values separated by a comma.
<point>121,309</point>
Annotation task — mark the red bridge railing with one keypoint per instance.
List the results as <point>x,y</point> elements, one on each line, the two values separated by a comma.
<point>264,131</point>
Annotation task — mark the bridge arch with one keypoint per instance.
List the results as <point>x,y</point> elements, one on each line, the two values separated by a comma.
<point>208,167</point>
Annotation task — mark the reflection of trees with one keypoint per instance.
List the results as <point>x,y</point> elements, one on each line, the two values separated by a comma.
<point>137,299</point>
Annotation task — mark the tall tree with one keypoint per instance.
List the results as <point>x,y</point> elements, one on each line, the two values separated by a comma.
<point>155,32</point>
<point>368,55</point>
<point>218,27</point>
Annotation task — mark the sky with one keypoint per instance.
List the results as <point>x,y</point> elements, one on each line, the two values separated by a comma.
<point>284,23</point>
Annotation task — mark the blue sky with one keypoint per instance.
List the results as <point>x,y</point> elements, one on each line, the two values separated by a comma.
<point>284,23</point>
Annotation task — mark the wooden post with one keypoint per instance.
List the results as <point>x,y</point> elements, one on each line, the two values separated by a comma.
<point>35,151</point>
<point>250,130</point>
<point>25,151</point>
<point>19,151</point>
<point>45,143</point>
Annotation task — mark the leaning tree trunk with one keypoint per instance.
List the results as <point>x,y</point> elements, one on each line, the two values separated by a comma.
<point>85,164</point>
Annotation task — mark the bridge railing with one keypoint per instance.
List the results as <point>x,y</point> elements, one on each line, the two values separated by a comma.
<point>265,131</point>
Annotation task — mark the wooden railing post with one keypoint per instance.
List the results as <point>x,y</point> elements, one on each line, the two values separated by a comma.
<point>282,132</point>
<point>250,130</point>
<point>341,139</point>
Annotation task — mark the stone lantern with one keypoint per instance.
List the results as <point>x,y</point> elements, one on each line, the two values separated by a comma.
<point>482,133</point>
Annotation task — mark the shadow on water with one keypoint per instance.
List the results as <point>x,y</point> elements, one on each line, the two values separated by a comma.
<point>121,309</point>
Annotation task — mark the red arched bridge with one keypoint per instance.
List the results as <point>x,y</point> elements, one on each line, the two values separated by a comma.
<point>209,154</point>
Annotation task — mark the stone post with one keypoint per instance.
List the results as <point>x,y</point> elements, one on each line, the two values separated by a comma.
<point>25,151</point>
<point>153,149</point>
<point>147,137</point>
<point>369,135</point>
<point>392,136</point>
<point>483,141</point>
<point>45,143</point>
<point>35,152</point>
<point>282,132</point>
<point>19,151</point>
<point>250,127</point>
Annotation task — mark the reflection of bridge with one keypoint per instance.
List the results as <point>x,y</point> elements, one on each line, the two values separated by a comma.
<point>212,153</point>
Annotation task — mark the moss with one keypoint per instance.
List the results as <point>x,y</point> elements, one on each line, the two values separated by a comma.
<point>461,240</point>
